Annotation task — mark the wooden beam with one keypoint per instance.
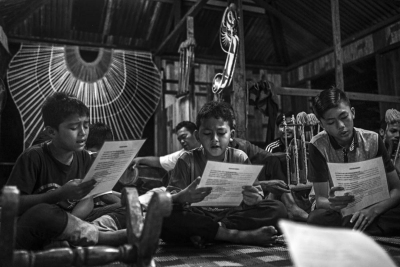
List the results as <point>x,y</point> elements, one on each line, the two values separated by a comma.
<point>108,18</point>
<point>178,28</point>
<point>278,39</point>
<point>239,94</point>
<point>351,95</point>
<point>273,11</point>
<point>337,44</point>
<point>177,11</point>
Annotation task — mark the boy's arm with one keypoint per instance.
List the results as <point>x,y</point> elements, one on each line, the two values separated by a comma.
<point>181,186</point>
<point>74,189</point>
<point>149,161</point>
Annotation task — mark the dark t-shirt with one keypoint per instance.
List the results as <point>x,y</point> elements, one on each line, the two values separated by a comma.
<point>37,171</point>
<point>192,164</point>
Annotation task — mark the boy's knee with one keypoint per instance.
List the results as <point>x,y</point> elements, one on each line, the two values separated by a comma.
<point>45,215</point>
<point>325,217</point>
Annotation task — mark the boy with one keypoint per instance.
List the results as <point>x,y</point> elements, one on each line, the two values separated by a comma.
<point>392,136</point>
<point>278,145</point>
<point>49,179</point>
<point>251,223</point>
<point>185,135</point>
<point>341,142</point>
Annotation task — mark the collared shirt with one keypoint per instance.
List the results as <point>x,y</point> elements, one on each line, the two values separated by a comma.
<point>323,148</point>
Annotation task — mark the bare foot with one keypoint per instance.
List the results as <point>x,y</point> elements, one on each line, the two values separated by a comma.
<point>261,236</point>
<point>198,241</point>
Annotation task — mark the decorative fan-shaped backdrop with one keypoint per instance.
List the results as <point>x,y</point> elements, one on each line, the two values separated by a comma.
<point>121,88</point>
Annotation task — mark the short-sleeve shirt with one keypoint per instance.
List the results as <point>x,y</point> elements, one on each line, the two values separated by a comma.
<point>181,176</point>
<point>168,161</point>
<point>36,171</point>
<point>323,148</point>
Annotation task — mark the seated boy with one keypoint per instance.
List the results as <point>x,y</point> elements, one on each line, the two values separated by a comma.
<point>342,143</point>
<point>185,135</point>
<point>49,176</point>
<point>392,136</point>
<point>253,222</point>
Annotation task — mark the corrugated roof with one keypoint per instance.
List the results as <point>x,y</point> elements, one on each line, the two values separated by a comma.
<point>287,32</point>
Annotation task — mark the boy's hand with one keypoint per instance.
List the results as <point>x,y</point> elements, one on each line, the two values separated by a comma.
<point>276,187</point>
<point>363,218</point>
<point>75,189</point>
<point>191,194</point>
<point>251,196</point>
<point>339,202</point>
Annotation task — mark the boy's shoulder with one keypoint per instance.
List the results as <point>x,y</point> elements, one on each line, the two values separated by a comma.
<point>234,155</point>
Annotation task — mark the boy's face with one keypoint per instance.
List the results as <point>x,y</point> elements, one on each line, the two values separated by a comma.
<point>71,134</point>
<point>393,131</point>
<point>187,140</point>
<point>289,130</point>
<point>214,135</point>
<point>338,122</point>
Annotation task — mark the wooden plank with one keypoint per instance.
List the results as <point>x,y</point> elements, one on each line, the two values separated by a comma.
<point>337,44</point>
<point>239,95</point>
<point>351,95</point>
<point>178,28</point>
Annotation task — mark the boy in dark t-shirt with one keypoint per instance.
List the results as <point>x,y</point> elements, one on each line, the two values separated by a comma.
<point>48,177</point>
<point>251,223</point>
<point>341,142</point>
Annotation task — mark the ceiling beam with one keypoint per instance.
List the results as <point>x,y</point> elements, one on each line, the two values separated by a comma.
<point>351,95</point>
<point>273,11</point>
<point>178,28</point>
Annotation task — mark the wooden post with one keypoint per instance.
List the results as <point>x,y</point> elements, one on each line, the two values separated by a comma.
<point>239,95</point>
<point>337,44</point>
<point>191,88</point>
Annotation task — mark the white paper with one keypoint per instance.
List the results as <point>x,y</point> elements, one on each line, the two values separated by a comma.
<point>110,163</point>
<point>311,246</point>
<point>366,180</point>
<point>226,180</point>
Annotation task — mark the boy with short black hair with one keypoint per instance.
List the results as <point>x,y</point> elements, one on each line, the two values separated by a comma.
<point>251,223</point>
<point>341,142</point>
<point>278,145</point>
<point>49,176</point>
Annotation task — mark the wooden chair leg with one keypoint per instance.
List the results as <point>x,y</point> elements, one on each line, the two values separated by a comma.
<point>142,239</point>
<point>9,212</point>
<point>146,237</point>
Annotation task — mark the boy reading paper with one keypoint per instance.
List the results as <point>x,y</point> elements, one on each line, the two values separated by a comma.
<point>48,177</point>
<point>253,222</point>
<point>341,142</point>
